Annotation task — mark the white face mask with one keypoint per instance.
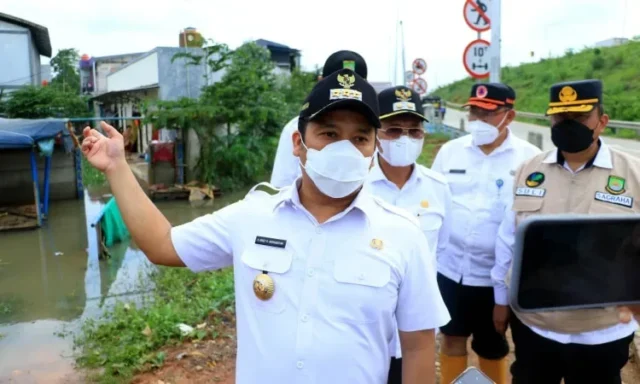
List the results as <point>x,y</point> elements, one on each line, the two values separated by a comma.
<point>484,133</point>
<point>337,170</point>
<point>401,152</point>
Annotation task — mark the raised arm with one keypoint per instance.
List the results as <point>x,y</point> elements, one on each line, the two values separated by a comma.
<point>204,243</point>
<point>148,227</point>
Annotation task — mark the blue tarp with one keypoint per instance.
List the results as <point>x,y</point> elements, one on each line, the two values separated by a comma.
<point>24,133</point>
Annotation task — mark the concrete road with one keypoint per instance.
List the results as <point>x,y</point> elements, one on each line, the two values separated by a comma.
<point>452,118</point>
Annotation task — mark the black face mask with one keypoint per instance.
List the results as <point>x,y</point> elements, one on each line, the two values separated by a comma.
<point>571,136</point>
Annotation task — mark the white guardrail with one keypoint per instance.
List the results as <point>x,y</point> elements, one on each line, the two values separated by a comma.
<point>612,123</point>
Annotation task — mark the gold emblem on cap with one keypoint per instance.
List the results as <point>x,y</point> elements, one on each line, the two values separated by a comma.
<point>377,244</point>
<point>568,94</point>
<point>403,94</point>
<point>424,204</point>
<point>346,81</point>
<point>263,286</point>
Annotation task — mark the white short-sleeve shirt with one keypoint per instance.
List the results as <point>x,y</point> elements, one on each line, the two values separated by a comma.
<point>481,186</point>
<point>331,318</point>
<point>286,166</point>
<point>426,196</point>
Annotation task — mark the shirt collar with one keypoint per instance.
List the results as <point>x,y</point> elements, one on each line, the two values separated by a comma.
<point>602,159</point>
<point>363,201</point>
<point>376,173</point>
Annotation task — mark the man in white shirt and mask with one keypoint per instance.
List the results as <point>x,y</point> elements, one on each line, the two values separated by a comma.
<point>286,167</point>
<point>323,270</point>
<point>479,168</point>
<point>400,181</point>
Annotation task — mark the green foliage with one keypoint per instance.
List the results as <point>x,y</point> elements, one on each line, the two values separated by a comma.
<point>617,67</point>
<point>127,340</point>
<point>41,102</point>
<point>61,98</point>
<point>238,119</point>
<point>430,148</point>
<point>295,89</point>
<point>90,175</point>
<point>64,64</point>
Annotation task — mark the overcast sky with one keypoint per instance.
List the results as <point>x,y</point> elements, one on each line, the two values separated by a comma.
<point>434,30</point>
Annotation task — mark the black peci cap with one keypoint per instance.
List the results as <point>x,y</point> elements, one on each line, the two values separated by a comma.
<point>490,96</point>
<point>343,89</point>
<point>400,100</point>
<point>574,96</point>
<point>345,60</point>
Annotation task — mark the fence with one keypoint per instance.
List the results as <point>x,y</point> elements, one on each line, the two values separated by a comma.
<point>633,125</point>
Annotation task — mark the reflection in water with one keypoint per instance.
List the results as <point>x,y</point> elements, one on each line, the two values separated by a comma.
<point>42,271</point>
<point>51,280</point>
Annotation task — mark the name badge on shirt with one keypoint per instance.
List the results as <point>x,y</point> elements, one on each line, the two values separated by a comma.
<point>270,242</point>
<point>458,171</point>
<point>625,201</point>
<point>535,192</point>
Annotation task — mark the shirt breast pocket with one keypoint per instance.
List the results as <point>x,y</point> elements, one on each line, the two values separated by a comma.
<point>605,208</point>
<point>458,182</point>
<point>526,206</point>
<point>276,262</point>
<point>363,292</point>
<point>430,222</point>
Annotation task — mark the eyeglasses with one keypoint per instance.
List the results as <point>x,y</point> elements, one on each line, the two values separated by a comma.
<point>396,132</point>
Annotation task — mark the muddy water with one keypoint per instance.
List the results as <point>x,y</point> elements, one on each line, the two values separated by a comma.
<point>51,280</point>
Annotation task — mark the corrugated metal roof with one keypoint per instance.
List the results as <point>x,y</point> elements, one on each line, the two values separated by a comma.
<point>39,33</point>
<point>123,91</point>
<point>273,45</point>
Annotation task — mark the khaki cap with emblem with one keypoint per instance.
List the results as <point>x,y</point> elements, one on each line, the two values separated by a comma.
<point>574,96</point>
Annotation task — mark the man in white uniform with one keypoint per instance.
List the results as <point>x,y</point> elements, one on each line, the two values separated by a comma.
<point>322,268</point>
<point>400,181</point>
<point>479,168</point>
<point>286,168</point>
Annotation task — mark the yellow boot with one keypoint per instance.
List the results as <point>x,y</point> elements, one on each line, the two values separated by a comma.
<point>495,369</point>
<point>451,367</point>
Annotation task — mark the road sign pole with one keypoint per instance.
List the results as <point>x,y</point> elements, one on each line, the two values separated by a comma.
<point>495,14</point>
<point>479,37</point>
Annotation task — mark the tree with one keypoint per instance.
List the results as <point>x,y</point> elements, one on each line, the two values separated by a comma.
<point>64,65</point>
<point>295,88</point>
<point>214,55</point>
<point>238,119</point>
<point>41,102</point>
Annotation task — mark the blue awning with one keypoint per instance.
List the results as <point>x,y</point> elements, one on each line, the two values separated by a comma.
<point>24,133</point>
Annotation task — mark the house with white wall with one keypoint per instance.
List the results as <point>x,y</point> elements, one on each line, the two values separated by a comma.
<point>21,43</point>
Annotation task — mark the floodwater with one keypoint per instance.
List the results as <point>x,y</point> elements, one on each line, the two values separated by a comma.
<point>51,280</point>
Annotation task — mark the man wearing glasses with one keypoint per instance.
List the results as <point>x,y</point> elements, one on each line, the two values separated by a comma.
<point>400,181</point>
<point>479,169</point>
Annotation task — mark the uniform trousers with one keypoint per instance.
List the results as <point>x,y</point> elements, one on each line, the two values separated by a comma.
<point>395,371</point>
<point>544,361</point>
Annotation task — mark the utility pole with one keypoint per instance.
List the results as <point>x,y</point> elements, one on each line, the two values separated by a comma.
<point>495,65</point>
